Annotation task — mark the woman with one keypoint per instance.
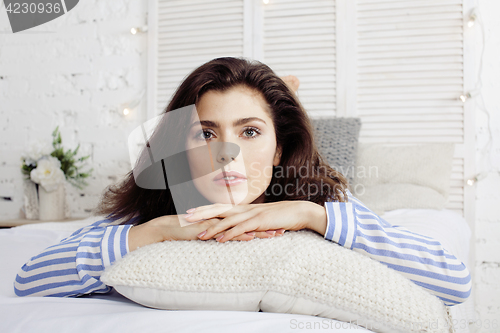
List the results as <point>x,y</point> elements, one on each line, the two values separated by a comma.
<point>271,179</point>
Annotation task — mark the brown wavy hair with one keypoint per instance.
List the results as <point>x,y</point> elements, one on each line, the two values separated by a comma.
<point>294,135</point>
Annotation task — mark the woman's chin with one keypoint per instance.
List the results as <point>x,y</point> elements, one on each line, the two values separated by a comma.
<point>231,195</point>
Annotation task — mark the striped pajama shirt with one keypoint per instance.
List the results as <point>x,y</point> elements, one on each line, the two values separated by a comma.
<point>421,259</point>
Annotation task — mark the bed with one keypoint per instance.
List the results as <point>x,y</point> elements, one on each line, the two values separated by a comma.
<point>425,177</point>
<point>113,312</point>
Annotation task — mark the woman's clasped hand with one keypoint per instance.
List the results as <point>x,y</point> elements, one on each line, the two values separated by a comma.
<point>240,220</point>
<point>224,222</point>
<point>168,228</point>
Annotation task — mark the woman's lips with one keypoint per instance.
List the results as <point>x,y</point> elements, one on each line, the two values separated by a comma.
<point>229,178</point>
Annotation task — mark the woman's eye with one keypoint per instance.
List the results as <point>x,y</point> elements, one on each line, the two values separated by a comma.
<point>251,132</point>
<point>204,135</point>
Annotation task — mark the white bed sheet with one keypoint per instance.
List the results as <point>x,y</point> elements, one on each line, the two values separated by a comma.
<point>112,312</point>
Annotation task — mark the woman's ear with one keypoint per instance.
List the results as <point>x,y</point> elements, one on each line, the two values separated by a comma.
<point>277,157</point>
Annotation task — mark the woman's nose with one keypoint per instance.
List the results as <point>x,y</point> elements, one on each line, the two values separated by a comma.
<point>227,152</point>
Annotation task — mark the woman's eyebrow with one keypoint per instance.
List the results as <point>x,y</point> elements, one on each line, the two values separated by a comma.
<point>247,120</point>
<point>238,122</point>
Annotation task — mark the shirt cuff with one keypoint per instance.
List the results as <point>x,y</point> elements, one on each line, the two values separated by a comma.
<point>114,244</point>
<point>341,225</point>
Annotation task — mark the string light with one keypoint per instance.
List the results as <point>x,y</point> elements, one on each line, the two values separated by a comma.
<point>265,2</point>
<point>470,94</point>
<point>136,30</point>
<point>129,107</point>
<point>477,178</point>
<point>472,18</point>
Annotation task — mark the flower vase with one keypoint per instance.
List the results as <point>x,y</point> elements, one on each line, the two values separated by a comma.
<point>31,207</point>
<point>52,204</point>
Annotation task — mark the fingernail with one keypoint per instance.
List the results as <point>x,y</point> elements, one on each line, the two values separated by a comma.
<point>190,210</point>
<point>219,238</point>
<point>251,233</point>
<point>201,234</point>
<point>271,232</point>
<point>188,215</point>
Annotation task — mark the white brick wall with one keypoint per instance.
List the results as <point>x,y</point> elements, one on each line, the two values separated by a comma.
<point>79,69</point>
<point>488,190</point>
<point>75,72</point>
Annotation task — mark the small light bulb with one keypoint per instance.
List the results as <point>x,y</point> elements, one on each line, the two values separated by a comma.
<point>477,178</point>
<point>463,98</point>
<point>472,19</point>
<point>126,111</point>
<point>265,2</point>
<point>136,30</point>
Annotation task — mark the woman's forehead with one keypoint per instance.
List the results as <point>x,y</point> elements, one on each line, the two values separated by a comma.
<point>237,102</point>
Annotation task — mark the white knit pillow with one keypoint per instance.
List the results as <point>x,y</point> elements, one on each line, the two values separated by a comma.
<point>300,273</point>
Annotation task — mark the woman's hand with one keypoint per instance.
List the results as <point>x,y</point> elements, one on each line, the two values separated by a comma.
<point>240,219</point>
<point>168,228</point>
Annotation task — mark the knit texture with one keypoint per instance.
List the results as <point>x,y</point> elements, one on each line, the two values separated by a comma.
<point>337,141</point>
<point>298,272</point>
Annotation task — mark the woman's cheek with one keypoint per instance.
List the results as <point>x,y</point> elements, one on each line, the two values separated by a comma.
<point>194,168</point>
<point>268,172</point>
<point>260,174</point>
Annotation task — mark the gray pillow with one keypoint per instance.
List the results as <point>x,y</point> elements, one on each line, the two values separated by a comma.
<point>337,141</point>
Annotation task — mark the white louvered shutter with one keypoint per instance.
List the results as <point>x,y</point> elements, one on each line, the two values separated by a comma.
<point>398,65</point>
<point>410,73</point>
<point>299,39</point>
<point>191,33</point>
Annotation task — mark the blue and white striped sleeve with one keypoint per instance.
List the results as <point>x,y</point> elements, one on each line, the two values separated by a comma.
<point>421,259</point>
<point>74,266</point>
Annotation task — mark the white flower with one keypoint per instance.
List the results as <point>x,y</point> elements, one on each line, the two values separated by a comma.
<point>48,173</point>
<point>37,149</point>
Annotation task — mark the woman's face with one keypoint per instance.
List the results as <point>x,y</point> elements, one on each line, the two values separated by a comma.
<point>237,116</point>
